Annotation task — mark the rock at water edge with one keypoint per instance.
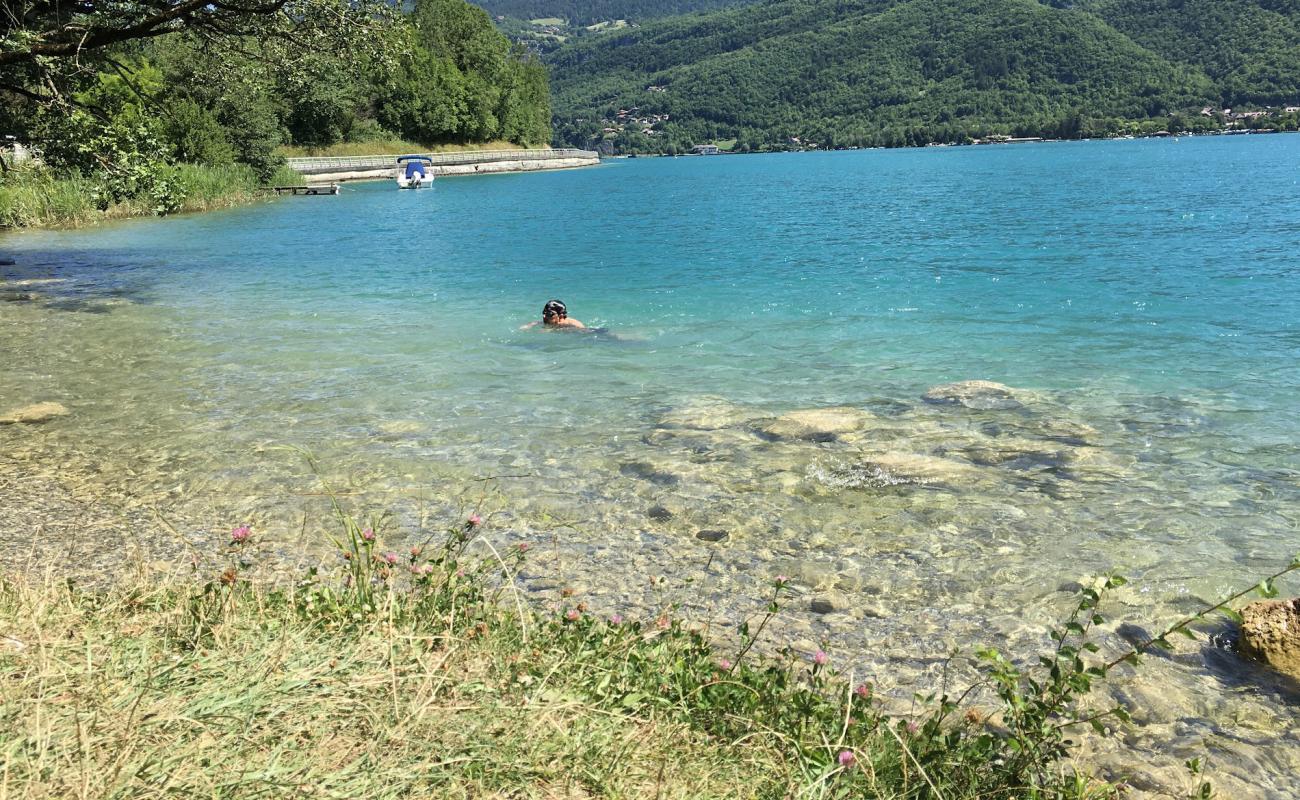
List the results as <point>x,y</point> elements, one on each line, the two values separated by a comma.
<point>1270,632</point>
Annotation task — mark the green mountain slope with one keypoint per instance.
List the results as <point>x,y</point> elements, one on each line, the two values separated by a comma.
<point>856,72</point>
<point>1249,48</point>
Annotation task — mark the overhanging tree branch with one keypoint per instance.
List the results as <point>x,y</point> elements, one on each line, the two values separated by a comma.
<point>64,36</point>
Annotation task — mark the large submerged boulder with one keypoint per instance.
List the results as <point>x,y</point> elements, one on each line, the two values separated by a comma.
<point>880,470</point>
<point>37,412</point>
<point>1270,632</point>
<point>919,469</point>
<point>973,394</point>
<point>817,424</point>
<point>706,413</point>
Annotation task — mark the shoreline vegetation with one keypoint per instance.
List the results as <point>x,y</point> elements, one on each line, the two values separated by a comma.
<point>427,673</point>
<point>33,196</point>
<point>36,197</point>
<point>135,122</point>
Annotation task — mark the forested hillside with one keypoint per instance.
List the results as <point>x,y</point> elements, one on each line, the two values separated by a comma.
<point>1249,48</point>
<point>892,72</point>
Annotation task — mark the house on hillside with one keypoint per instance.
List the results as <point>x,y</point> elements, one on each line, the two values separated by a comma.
<point>706,149</point>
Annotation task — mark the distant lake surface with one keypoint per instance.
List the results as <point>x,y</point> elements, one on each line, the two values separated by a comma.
<point>1139,299</point>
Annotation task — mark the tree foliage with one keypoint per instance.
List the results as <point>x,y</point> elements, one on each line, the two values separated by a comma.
<point>120,90</point>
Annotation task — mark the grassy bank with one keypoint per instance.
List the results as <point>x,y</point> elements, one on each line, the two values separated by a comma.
<point>37,197</point>
<point>425,674</point>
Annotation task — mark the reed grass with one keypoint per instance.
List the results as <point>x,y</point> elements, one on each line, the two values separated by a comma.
<point>32,197</point>
<point>38,197</point>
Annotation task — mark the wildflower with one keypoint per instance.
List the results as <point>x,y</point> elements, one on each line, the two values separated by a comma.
<point>572,615</point>
<point>390,558</point>
<point>617,619</point>
<point>568,591</point>
<point>240,535</point>
<point>973,717</point>
<point>368,535</point>
<point>913,726</point>
<point>522,547</point>
<point>662,622</point>
<point>820,658</point>
<point>847,759</point>
<point>724,664</point>
<point>782,580</point>
<point>863,691</point>
<point>415,551</point>
<point>474,521</point>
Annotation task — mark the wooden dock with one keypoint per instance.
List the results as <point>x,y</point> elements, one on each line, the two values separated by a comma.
<point>330,188</point>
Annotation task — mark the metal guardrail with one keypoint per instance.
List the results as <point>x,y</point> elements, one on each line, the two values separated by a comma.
<point>346,163</point>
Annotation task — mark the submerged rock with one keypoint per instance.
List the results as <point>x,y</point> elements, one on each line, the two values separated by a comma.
<point>878,470</point>
<point>1270,632</point>
<point>817,424</point>
<point>711,535</point>
<point>645,471</point>
<point>973,394</point>
<point>28,282</point>
<point>708,413</point>
<point>821,605</point>
<point>659,513</point>
<point>1016,453</point>
<point>37,412</point>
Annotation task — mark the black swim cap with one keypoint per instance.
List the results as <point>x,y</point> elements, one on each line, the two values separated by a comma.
<point>554,308</point>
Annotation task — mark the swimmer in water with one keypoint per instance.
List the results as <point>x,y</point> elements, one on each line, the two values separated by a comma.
<point>555,315</point>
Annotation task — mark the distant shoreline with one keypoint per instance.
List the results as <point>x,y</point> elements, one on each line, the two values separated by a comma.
<point>975,143</point>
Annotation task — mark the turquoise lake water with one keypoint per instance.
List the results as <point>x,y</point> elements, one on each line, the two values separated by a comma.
<point>1140,298</point>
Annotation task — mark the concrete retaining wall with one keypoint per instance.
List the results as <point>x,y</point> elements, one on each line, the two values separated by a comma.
<point>484,168</point>
<point>366,168</point>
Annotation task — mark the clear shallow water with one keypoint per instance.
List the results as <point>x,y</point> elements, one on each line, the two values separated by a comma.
<point>1141,297</point>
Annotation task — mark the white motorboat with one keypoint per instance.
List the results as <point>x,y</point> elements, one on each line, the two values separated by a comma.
<point>414,172</point>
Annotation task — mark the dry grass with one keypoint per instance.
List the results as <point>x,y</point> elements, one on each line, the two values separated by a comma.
<point>109,695</point>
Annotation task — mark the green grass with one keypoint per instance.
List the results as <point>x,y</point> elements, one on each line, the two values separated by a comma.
<point>36,197</point>
<point>429,676</point>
